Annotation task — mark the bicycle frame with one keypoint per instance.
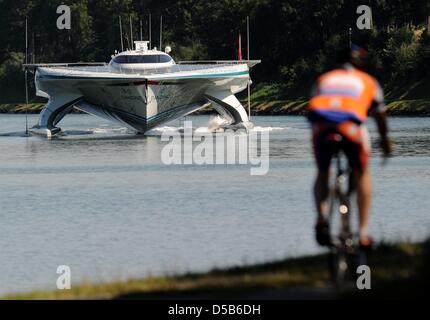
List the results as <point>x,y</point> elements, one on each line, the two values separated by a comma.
<point>344,252</point>
<point>342,190</point>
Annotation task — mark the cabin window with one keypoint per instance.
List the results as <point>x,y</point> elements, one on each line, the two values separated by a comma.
<point>156,58</point>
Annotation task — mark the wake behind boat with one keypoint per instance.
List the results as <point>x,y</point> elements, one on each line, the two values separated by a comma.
<point>141,89</point>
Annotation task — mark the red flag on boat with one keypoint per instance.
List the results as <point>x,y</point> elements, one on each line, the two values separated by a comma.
<point>239,52</point>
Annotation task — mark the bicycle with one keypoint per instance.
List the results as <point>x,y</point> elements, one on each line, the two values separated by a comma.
<point>345,252</point>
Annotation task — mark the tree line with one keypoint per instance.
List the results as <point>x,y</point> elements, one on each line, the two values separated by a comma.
<point>295,39</point>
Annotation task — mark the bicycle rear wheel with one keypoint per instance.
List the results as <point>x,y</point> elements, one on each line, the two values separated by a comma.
<point>341,256</point>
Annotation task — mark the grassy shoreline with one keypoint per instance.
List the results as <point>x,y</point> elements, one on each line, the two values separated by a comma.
<point>418,107</point>
<point>398,270</point>
<point>17,108</point>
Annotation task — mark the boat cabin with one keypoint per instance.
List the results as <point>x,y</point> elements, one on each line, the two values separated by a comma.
<point>142,58</point>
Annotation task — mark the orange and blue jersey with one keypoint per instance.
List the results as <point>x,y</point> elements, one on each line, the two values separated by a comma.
<point>345,94</point>
<point>340,103</point>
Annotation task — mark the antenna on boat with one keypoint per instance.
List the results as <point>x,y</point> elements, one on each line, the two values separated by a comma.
<point>350,37</point>
<point>141,31</point>
<point>33,59</point>
<point>26,42</point>
<point>25,72</point>
<point>131,34</point>
<point>120,31</point>
<point>239,50</point>
<point>161,33</point>
<point>249,81</point>
<point>150,31</point>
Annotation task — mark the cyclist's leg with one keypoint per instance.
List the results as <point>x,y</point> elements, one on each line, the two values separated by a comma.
<point>321,202</point>
<point>321,193</point>
<point>364,198</point>
<point>364,189</point>
<point>358,156</point>
<point>321,190</point>
<point>323,157</point>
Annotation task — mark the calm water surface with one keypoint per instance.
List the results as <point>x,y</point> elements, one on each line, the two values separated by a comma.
<point>100,200</point>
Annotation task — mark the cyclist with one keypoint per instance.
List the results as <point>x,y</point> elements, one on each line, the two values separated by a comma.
<point>341,101</point>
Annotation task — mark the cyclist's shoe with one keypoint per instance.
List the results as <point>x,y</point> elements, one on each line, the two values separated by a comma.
<point>322,232</point>
<point>365,242</point>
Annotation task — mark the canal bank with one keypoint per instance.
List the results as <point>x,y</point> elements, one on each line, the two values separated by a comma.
<point>418,107</point>
<point>398,271</point>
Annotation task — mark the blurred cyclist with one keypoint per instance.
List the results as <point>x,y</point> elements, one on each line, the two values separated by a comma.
<point>341,101</point>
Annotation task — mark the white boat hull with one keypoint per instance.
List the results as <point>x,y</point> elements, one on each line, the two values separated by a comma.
<point>140,102</point>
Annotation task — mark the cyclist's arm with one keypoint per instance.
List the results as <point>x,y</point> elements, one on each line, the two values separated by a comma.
<point>377,110</point>
<point>381,122</point>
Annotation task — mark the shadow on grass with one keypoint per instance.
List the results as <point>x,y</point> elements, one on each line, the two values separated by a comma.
<point>406,278</point>
<point>398,271</point>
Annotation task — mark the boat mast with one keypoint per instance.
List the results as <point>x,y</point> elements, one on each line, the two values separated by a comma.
<point>33,59</point>
<point>120,31</point>
<point>131,34</point>
<point>247,37</point>
<point>141,30</point>
<point>161,33</point>
<point>150,32</point>
<point>249,81</point>
<point>350,37</point>
<point>25,72</point>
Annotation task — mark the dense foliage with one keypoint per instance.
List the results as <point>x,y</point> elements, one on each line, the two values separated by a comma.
<point>296,39</point>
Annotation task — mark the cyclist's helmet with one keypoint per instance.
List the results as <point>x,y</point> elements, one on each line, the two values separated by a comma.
<point>356,55</point>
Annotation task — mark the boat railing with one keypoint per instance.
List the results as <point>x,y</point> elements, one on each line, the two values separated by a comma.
<point>32,66</point>
<point>250,63</point>
<point>207,66</point>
